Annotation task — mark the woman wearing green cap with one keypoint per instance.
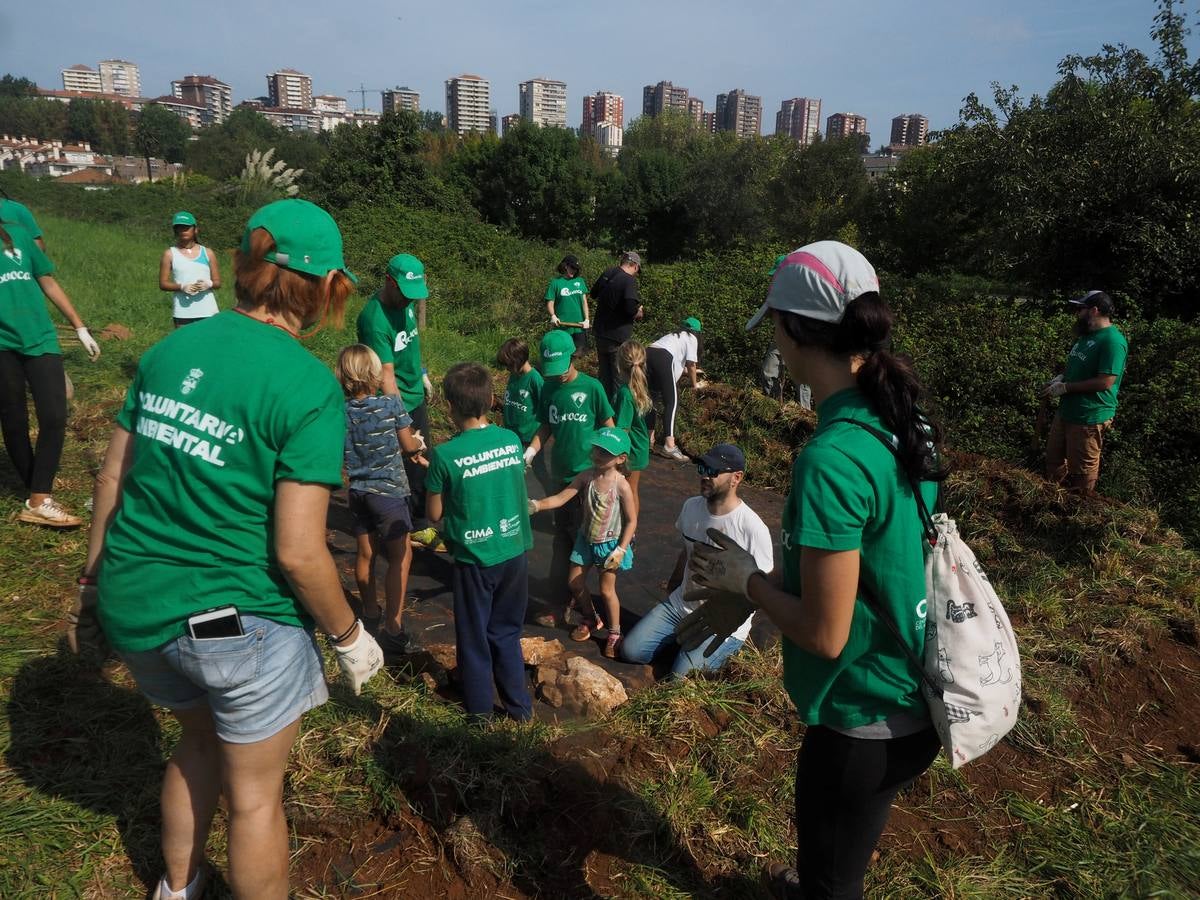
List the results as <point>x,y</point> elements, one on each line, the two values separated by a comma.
<point>667,359</point>
<point>207,567</point>
<point>190,272</point>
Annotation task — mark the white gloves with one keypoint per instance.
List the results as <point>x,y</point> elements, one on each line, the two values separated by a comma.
<point>587,323</point>
<point>724,567</point>
<point>613,561</point>
<point>553,319</point>
<point>533,507</point>
<point>1055,388</point>
<point>428,384</point>
<point>528,455</point>
<point>701,384</point>
<point>420,439</point>
<point>190,288</point>
<point>203,285</point>
<point>89,342</point>
<point>359,660</point>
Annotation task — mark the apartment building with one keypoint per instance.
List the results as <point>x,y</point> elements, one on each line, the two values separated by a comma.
<point>469,104</point>
<point>610,136</point>
<point>842,125</point>
<point>544,102</point>
<point>211,93</point>
<point>739,112</point>
<point>401,98</point>
<point>192,113</point>
<point>289,89</point>
<point>120,76</point>
<point>602,106</point>
<point>664,95</point>
<point>909,130</point>
<point>799,119</point>
<point>81,78</point>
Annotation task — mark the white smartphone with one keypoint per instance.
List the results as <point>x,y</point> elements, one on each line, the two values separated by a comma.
<point>222,622</point>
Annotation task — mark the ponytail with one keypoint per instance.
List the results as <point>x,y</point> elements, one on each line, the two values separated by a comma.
<point>6,240</point>
<point>631,367</point>
<point>888,380</point>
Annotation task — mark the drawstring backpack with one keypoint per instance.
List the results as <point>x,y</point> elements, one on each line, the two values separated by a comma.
<point>971,674</point>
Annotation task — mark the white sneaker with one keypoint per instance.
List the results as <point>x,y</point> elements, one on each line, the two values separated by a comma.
<point>192,892</point>
<point>49,513</point>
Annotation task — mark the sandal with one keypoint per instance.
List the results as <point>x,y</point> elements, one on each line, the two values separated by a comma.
<point>611,645</point>
<point>581,632</point>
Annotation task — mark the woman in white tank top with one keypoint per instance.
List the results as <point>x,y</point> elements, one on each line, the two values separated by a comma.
<point>190,272</point>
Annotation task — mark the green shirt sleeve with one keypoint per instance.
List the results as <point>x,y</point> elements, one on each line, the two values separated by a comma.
<point>604,409</point>
<point>375,333</point>
<point>834,500</point>
<point>312,451</point>
<point>127,417</point>
<point>19,214</point>
<point>535,389</point>
<point>1111,358</point>
<point>549,291</point>
<point>40,263</point>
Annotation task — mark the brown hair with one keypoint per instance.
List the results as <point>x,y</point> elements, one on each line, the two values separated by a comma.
<point>359,370</point>
<point>631,368</point>
<point>513,354</point>
<point>468,389</point>
<point>6,239</point>
<point>259,283</point>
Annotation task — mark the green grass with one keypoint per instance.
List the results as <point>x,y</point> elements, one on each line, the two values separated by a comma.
<point>697,791</point>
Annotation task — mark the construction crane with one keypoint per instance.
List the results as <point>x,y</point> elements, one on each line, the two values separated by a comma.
<point>363,91</point>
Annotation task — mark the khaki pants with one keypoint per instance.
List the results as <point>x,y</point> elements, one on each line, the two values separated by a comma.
<point>1073,454</point>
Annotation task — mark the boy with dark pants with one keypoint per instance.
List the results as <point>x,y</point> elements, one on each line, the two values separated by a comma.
<point>476,487</point>
<point>573,406</point>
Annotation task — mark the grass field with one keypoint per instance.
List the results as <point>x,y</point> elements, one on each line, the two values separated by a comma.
<point>686,790</point>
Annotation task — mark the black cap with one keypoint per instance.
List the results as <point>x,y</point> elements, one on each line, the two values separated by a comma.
<point>1097,299</point>
<point>724,458</point>
<point>568,261</point>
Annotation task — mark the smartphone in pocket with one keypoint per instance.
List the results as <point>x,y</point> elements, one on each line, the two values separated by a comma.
<point>222,622</point>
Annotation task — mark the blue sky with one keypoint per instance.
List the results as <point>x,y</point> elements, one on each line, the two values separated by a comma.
<point>874,58</point>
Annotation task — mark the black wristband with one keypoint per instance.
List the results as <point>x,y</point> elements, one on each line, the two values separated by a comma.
<point>345,634</point>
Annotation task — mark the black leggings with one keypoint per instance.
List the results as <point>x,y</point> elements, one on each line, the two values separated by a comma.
<point>658,374</point>
<point>415,472</point>
<point>47,382</point>
<point>844,792</point>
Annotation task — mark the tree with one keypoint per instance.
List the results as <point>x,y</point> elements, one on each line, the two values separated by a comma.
<point>219,151</point>
<point>160,133</point>
<point>819,191</point>
<point>13,86</point>
<point>432,120</point>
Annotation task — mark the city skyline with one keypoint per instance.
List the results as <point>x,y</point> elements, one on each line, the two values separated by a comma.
<point>923,60</point>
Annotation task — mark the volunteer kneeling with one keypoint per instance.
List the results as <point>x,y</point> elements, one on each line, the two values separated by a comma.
<point>208,546</point>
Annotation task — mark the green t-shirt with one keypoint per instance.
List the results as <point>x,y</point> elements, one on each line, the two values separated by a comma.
<point>626,416</point>
<point>1101,352</point>
<point>848,493</point>
<point>392,334</point>
<point>573,411</point>
<point>25,324</point>
<point>485,510</point>
<point>219,412</point>
<point>567,294</point>
<point>14,213</point>
<point>521,398</point>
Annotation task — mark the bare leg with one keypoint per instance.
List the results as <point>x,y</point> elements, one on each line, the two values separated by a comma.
<point>364,574</point>
<point>577,583</point>
<point>395,584</point>
<point>190,790</point>
<point>258,836</point>
<point>612,603</point>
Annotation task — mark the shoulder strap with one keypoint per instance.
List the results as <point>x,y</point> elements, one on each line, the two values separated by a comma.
<point>889,441</point>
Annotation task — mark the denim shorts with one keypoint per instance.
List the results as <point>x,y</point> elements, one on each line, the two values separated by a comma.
<point>255,685</point>
<point>587,554</point>
<point>388,517</point>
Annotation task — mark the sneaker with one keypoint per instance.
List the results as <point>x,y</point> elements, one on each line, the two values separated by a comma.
<point>428,539</point>
<point>49,513</point>
<point>781,881</point>
<point>395,644</point>
<point>193,891</point>
<point>672,453</point>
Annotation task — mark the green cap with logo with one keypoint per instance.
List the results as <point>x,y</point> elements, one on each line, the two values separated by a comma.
<point>691,323</point>
<point>183,217</point>
<point>611,440</point>
<point>306,238</point>
<point>557,347</point>
<point>409,274</point>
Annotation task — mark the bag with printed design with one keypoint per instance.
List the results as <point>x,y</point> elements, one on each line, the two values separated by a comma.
<point>971,674</point>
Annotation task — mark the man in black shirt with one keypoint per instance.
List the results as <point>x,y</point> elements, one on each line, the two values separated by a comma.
<point>618,306</point>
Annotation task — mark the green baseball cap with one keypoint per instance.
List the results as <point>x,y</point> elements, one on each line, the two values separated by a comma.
<point>409,274</point>
<point>611,440</point>
<point>183,217</point>
<point>557,348</point>
<point>691,323</point>
<point>306,237</point>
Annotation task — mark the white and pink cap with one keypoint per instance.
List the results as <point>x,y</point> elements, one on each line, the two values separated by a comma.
<point>818,281</point>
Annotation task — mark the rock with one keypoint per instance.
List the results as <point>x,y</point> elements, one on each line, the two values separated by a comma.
<point>538,651</point>
<point>585,689</point>
<point>636,678</point>
<point>438,661</point>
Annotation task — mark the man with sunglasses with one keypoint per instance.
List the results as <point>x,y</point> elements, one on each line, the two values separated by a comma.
<point>718,506</point>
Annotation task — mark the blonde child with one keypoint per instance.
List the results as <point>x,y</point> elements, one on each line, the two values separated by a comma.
<point>609,522</point>
<point>630,404</point>
<point>378,437</point>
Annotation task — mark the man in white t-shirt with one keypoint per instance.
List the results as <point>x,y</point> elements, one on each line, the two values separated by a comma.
<point>721,471</point>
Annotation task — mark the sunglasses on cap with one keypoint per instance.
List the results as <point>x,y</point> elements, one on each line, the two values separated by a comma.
<point>707,471</point>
